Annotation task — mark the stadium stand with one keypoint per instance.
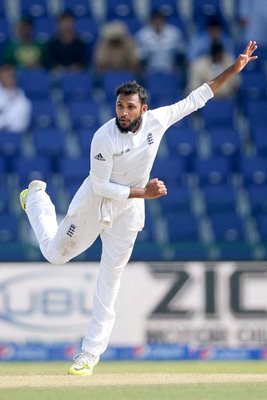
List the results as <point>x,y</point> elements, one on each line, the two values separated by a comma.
<point>214,163</point>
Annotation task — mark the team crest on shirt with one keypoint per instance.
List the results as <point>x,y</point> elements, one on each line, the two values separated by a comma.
<point>150,139</point>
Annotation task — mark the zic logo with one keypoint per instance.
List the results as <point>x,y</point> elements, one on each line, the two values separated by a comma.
<point>150,139</point>
<point>71,230</point>
<point>99,157</point>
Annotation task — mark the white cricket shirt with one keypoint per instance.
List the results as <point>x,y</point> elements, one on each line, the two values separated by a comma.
<point>120,161</point>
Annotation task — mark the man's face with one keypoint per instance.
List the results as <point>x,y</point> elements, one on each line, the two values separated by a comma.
<point>129,111</point>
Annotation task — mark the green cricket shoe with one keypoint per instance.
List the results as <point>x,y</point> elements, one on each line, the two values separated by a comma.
<point>34,186</point>
<point>83,364</point>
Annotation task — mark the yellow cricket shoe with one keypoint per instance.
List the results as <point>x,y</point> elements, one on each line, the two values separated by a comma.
<point>83,364</point>
<point>34,186</point>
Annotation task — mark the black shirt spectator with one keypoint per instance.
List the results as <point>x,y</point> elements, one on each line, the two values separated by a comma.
<point>66,50</point>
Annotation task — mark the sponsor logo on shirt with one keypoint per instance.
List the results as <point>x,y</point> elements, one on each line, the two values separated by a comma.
<point>150,139</point>
<point>99,157</point>
<point>121,153</point>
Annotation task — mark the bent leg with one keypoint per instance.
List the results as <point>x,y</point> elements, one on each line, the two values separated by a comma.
<point>117,249</point>
<point>78,230</point>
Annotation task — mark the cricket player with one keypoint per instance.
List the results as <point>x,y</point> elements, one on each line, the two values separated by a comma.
<point>110,202</point>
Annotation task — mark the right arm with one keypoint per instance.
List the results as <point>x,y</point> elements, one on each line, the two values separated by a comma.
<point>101,169</point>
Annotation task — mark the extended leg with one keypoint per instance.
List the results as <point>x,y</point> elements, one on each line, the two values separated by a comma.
<point>77,231</point>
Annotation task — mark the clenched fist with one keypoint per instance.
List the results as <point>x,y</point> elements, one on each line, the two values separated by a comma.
<point>155,188</point>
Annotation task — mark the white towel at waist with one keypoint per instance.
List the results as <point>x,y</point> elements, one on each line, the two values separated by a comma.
<point>106,212</point>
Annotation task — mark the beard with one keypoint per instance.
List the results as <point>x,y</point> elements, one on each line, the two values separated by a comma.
<point>132,127</point>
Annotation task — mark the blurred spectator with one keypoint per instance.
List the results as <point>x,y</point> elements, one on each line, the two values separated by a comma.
<point>253,19</point>
<point>116,49</point>
<point>15,108</point>
<point>204,68</point>
<point>66,50</point>
<point>201,42</point>
<point>24,51</point>
<point>161,45</point>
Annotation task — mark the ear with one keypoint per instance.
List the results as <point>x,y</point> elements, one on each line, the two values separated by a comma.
<point>144,108</point>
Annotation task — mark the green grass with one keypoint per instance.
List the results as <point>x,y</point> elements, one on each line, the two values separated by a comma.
<point>203,391</point>
<point>203,367</point>
<point>172,392</point>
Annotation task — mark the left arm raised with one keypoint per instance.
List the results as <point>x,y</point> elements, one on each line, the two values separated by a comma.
<point>241,61</point>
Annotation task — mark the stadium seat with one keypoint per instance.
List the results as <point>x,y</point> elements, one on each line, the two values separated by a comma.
<point>261,220</point>
<point>84,137</point>
<point>224,141</point>
<point>79,8</point>
<point>76,86</point>
<point>259,139</point>
<point>227,227</point>
<point>257,196</point>
<point>4,34</point>
<point>10,147</point>
<point>88,29</point>
<point>204,9</point>
<point>256,112</point>
<point>147,235</point>
<point>3,8</point>
<point>49,143</point>
<point>213,170</point>
<point>36,83</point>
<point>219,113</point>
<point>167,7</point>
<point>253,85</point>
<point>182,227</point>
<point>84,114</point>
<point>34,8</point>
<point>74,170</point>
<point>165,85</point>
<point>253,170</point>
<point>171,170</point>
<point>30,168</point>
<point>9,225</point>
<point>43,114</point>
<point>111,80</point>
<point>221,197</point>
<point>119,9</point>
<point>3,172</point>
<point>44,28</point>
<point>5,199</point>
<point>182,142</point>
<point>178,199</point>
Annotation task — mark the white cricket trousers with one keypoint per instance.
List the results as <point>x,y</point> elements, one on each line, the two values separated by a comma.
<point>78,231</point>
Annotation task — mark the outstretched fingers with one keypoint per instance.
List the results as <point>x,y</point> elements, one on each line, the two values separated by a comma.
<point>250,48</point>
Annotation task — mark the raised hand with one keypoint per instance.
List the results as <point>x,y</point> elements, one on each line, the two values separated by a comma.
<point>246,56</point>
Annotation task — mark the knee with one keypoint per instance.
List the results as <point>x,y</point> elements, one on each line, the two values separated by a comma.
<point>54,258</point>
<point>57,260</point>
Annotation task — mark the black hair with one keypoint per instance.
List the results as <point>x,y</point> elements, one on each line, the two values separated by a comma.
<point>65,15</point>
<point>216,47</point>
<point>132,87</point>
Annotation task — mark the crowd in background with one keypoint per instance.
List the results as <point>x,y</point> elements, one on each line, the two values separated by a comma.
<point>157,45</point>
<point>59,68</point>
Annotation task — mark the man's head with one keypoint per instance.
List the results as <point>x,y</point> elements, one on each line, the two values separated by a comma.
<point>214,28</point>
<point>8,76</point>
<point>24,29</point>
<point>66,25</point>
<point>157,20</point>
<point>131,104</point>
